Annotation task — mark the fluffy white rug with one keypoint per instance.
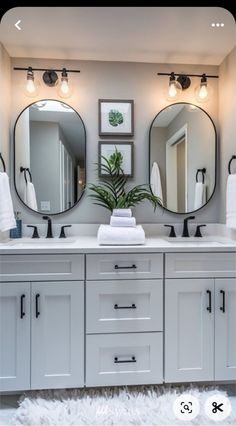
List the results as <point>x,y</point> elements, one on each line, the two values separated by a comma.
<point>143,405</point>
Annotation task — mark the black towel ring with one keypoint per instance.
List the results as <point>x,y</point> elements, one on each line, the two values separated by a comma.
<point>203,171</point>
<point>26,170</point>
<point>3,163</point>
<point>230,161</point>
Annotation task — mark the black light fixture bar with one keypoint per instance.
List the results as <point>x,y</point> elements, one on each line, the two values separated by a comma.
<point>189,75</point>
<point>44,69</point>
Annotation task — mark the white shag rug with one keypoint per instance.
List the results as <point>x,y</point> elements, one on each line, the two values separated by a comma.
<point>136,406</point>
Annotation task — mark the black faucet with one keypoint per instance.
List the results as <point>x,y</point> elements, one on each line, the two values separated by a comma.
<point>185,228</point>
<point>49,230</point>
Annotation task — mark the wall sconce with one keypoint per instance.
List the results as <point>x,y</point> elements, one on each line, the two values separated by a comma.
<point>50,78</point>
<point>176,86</point>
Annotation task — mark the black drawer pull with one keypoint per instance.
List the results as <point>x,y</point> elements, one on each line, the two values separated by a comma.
<point>222,308</point>
<point>37,312</point>
<point>125,267</point>
<point>122,361</point>
<point>209,306</point>
<point>133,306</point>
<point>22,311</point>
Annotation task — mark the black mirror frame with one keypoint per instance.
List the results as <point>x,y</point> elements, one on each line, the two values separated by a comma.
<point>216,156</point>
<point>14,158</point>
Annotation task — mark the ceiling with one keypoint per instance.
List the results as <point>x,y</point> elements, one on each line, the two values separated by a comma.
<point>135,34</point>
<point>164,118</point>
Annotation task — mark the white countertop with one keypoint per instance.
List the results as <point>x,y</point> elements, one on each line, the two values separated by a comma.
<point>82,239</point>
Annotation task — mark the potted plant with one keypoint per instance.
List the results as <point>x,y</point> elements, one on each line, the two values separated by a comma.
<point>111,192</point>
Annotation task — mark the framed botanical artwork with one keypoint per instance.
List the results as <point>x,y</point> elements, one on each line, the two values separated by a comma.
<point>106,149</point>
<point>116,117</point>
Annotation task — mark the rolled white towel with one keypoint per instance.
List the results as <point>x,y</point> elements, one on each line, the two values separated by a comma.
<point>231,202</point>
<point>7,218</point>
<point>112,235</point>
<point>122,212</point>
<point>122,221</point>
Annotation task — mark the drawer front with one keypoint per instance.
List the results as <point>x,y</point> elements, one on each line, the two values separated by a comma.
<point>200,265</point>
<point>121,359</point>
<point>124,306</point>
<point>124,266</point>
<point>41,267</point>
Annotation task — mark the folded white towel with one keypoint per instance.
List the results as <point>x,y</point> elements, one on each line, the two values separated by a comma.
<point>200,195</point>
<point>156,181</point>
<point>30,196</point>
<point>111,235</point>
<point>122,212</point>
<point>7,218</point>
<point>231,202</point>
<point>122,221</point>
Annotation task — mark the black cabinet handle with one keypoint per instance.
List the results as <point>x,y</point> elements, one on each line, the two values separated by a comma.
<point>125,267</point>
<point>222,308</point>
<point>22,311</point>
<point>209,306</point>
<point>37,312</point>
<point>122,361</point>
<point>133,306</point>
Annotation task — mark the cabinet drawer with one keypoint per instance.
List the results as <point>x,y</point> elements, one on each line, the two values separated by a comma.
<point>199,265</point>
<point>124,306</point>
<point>118,359</point>
<point>41,267</point>
<point>124,266</point>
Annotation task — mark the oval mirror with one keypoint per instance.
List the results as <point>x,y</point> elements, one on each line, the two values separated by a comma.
<point>182,157</point>
<point>49,156</point>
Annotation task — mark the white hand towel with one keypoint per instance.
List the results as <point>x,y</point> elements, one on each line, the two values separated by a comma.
<point>122,212</point>
<point>200,195</point>
<point>111,235</point>
<point>231,202</point>
<point>122,221</point>
<point>30,196</point>
<point>7,218</point>
<point>156,181</point>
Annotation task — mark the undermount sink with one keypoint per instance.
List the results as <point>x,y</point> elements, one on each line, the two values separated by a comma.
<point>208,241</point>
<point>41,241</point>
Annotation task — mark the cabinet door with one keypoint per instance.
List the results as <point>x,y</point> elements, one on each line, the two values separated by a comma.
<point>57,335</point>
<point>189,330</point>
<point>14,336</point>
<point>225,329</point>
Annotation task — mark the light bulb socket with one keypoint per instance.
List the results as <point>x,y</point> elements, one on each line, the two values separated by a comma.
<point>50,78</point>
<point>30,74</point>
<point>172,77</point>
<point>64,73</point>
<point>204,79</point>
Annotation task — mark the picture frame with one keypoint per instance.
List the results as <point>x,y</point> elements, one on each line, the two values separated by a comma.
<point>116,117</point>
<point>107,148</point>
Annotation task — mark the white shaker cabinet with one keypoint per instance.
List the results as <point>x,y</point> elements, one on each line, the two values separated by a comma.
<point>57,351</point>
<point>225,329</point>
<point>189,330</point>
<point>14,336</point>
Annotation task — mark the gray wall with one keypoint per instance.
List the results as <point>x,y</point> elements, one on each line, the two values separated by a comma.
<point>227,114</point>
<point>115,80</point>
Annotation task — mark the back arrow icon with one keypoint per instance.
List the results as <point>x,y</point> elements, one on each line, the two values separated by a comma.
<point>17,24</point>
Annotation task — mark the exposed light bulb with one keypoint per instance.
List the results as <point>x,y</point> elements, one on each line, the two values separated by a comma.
<point>174,88</point>
<point>203,91</point>
<point>64,89</point>
<point>31,88</point>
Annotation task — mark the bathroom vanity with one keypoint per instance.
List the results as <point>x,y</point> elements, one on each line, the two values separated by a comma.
<point>79,314</point>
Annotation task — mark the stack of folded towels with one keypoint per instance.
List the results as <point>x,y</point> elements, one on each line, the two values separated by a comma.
<point>122,230</point>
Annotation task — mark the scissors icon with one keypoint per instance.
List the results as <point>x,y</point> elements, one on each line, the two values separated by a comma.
<point>217,407</point>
